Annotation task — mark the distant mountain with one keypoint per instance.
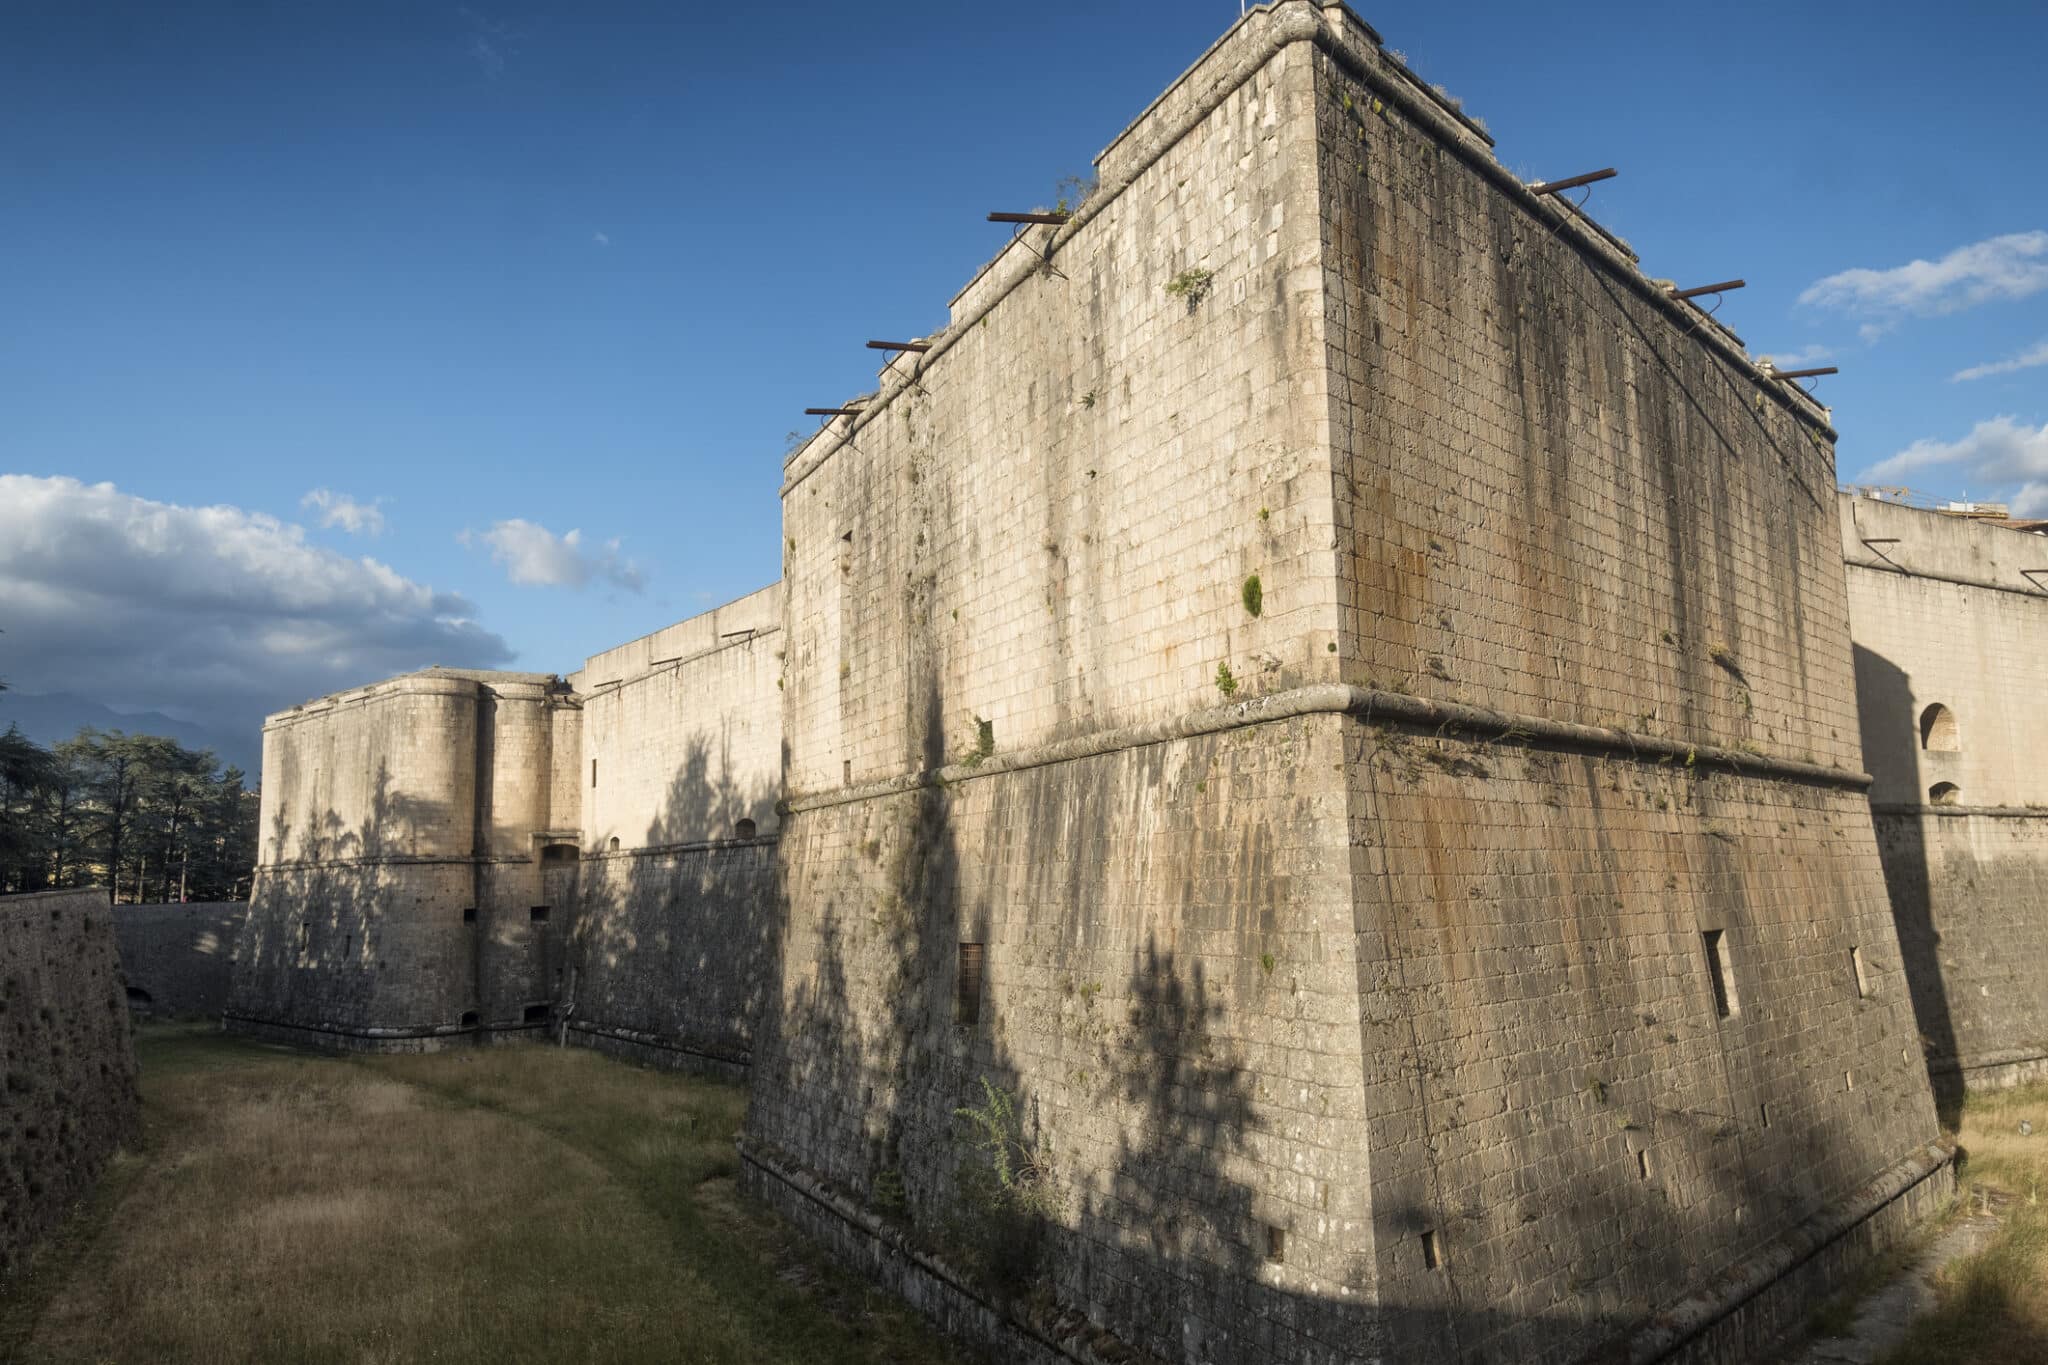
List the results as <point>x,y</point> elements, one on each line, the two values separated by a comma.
<point>54,716</point>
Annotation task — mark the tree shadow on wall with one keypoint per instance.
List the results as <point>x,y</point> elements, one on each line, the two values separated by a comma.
<point>311,936</point>
<point>1884,699</point>
<point>673,938</point>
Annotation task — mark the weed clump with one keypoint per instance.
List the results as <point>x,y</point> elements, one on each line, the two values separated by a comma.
<point>1008,1197</point>
<point>1191,285</point>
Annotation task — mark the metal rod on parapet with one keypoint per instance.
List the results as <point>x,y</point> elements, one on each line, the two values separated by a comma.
<point>1573,182</point>
<point>1054,218</point>
<point>833,412</point>
<point>1805,374</point>
<point>899,345</point>
<point>1723,287</point>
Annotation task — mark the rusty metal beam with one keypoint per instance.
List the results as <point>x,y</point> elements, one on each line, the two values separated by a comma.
<point>1053,218</point>
<point>833,412</point>
<point>1572,182</point>
<point>1723,287</point>
<point>899,345</point>
<point>1805,374</point>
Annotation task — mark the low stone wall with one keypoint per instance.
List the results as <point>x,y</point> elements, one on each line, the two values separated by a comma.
<point>176,957</point>
<point>67,1062</point>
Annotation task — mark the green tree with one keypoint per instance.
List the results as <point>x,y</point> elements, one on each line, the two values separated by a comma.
<point>27,773</point>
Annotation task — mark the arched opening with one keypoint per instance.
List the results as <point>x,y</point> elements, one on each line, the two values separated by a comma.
<point>469,1018</point>
<point>614,845</point>
<point>139,996</point>
<point>744,829</point>
<point>1938,730</point>
<point>1944,794</point>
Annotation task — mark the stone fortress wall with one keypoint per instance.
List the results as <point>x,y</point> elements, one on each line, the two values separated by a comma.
<point>1326,684</point>
<point>682,760</point>
<point>67,1065</point>
<point>176,958</point>
<point>1335,691</point>
<point>398,894</point>
<point>1950,617</point>
<point>456,854</point>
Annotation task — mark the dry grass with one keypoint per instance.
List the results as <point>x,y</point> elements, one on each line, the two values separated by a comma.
<point>1993,1306</point>
<point>516,1204</point>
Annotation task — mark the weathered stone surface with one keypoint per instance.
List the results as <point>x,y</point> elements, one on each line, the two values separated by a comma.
<point>454,856</point>
<point>67,1065</point>
<point>1951,646</point>
<point>176,958</point>
<point>1349,1036</point>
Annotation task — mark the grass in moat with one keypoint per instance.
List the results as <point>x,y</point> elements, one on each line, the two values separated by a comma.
<point>494,1205</point>
<point>1992,1306</point>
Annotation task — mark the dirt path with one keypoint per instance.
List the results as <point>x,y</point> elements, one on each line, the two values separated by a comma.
<point>1884,1315</point>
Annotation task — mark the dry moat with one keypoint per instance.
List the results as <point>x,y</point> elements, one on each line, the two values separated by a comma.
<point>503,1205</point>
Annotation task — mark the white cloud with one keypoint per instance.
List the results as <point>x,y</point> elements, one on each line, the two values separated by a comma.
<point>488,44</point>
<point>536,556</point>
<point>2008,267</point>
<point>1805,355</point>
<point>600,239</point>
<point>2025,360</point>
<point>339,509</point>
<point>215,613</point>
<point>2000,457</point>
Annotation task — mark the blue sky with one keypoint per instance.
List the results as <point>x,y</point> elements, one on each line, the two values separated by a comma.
<point>490,274</point>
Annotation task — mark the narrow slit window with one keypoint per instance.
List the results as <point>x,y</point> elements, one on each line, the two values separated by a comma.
<point>1432,1254</point>
<point>1719,972</point>
<point>538,914</point>
<point>967,989</point>
<point>593,772</point>
<point>1862,979</point>
<point>1765,1110</point>
<point>1643,1163</point>
<point>1276,1245</point>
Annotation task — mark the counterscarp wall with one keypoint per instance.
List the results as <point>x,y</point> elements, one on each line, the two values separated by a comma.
<point>1950,618</point>
<point>67,1066</point>
<point>177,958</point>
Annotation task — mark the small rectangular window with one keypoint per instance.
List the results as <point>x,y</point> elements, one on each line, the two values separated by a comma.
<point>469,914</point>
<point>1276,1245</point>
<point>1862,981</point>
<point>1715,942</point>
<point>539,914</point>
<point>537,1014</point>
<point>967,999</point>
<point>1432,1257</point>
<point>1643,1163</point>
